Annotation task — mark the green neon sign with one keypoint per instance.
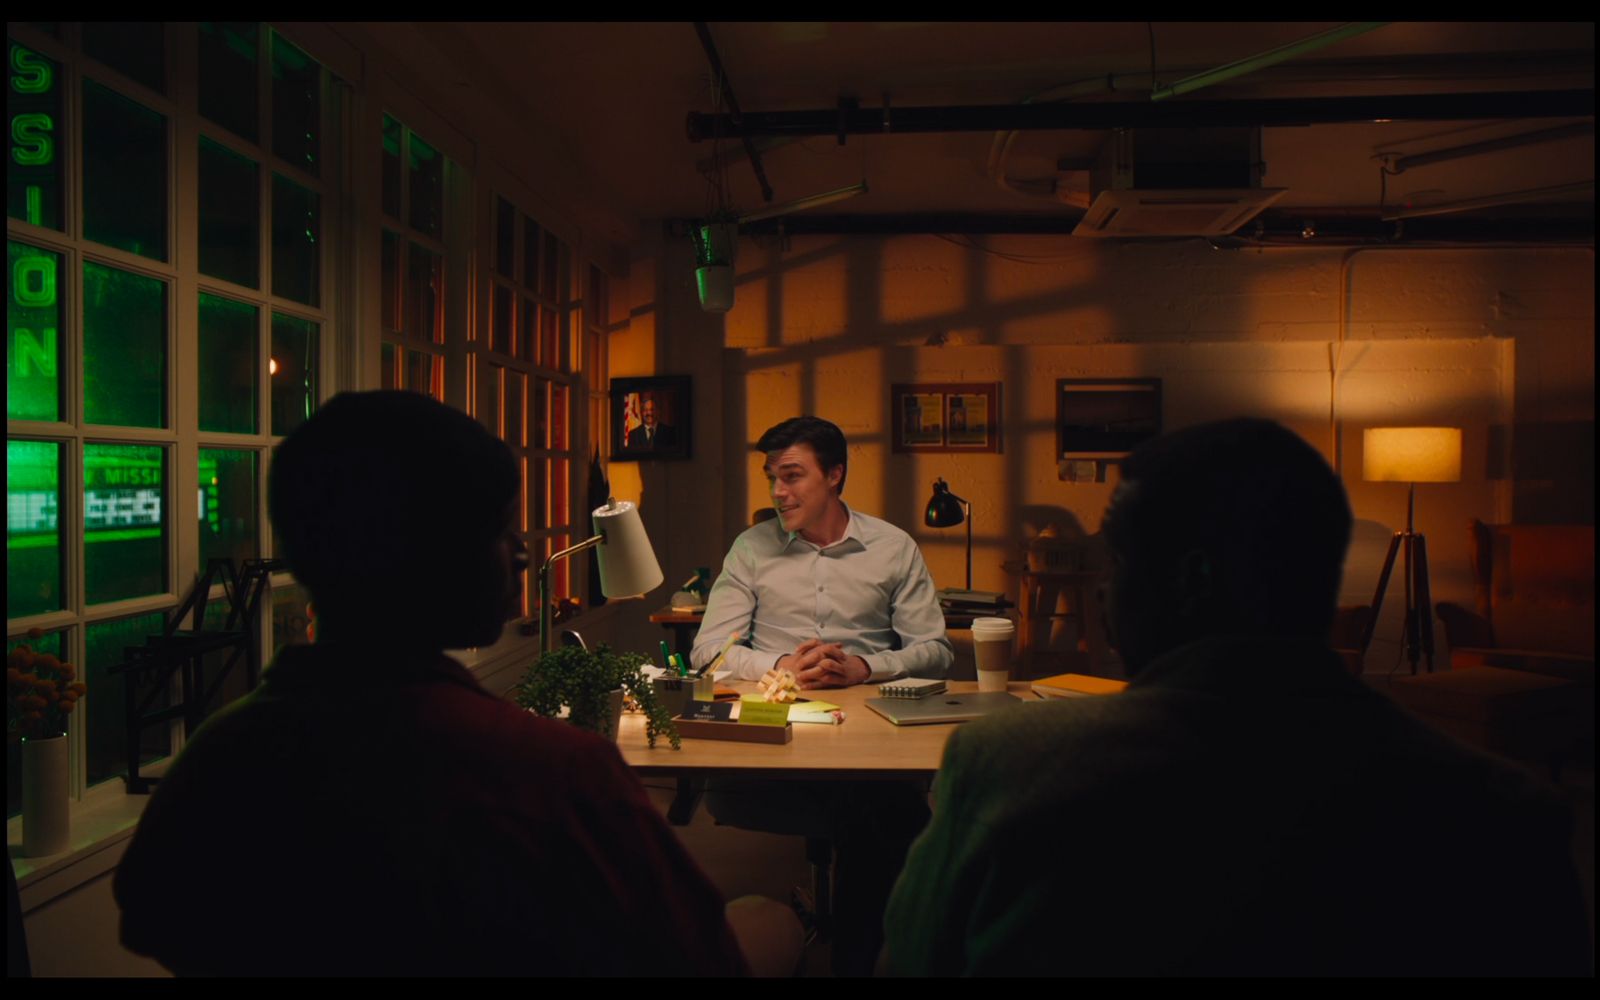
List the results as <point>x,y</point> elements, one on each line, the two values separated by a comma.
<point>33,317</point>
<point>34,182</point>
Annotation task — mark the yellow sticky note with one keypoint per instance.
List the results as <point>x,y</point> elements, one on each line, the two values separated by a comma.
<point>763,713</point>
<point>814,706</point>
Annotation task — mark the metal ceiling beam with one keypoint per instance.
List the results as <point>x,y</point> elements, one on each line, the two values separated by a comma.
<point>1102,115</point>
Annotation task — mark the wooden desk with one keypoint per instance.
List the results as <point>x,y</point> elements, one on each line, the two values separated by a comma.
<point>865,746</point>
<point>684,624</point>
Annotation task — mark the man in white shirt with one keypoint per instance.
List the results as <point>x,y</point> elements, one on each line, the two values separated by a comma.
<point>835,596</point>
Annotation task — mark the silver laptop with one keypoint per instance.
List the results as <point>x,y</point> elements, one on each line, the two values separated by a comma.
<point>945,707</point>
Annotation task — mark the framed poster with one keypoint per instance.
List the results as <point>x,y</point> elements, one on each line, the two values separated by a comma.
<point>1102,418</point>
<point>651,418</point>
<point>945,416</point>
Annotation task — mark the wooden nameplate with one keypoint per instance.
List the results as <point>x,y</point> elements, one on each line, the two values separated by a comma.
<point>703,730</point>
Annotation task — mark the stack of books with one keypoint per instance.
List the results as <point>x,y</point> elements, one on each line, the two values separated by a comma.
<point>970,601</point>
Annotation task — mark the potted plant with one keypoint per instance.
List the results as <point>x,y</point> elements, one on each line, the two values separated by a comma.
<point>591,685</point>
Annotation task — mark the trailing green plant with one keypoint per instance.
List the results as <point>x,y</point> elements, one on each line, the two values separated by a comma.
<point>582,680</point>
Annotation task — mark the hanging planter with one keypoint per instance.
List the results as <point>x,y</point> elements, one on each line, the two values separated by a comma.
<point>715,244</point>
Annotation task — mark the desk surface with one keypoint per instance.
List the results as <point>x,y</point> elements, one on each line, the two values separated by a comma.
<point>953,618</point>
<point>865,745</point>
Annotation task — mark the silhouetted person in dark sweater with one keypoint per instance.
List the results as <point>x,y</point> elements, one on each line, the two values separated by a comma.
<point>370,809</point>
<point>1246,807</point>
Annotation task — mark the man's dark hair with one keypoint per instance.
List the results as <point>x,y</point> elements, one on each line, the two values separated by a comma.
<point>825,438</point>
<point>378,490</point>
<point>1263,506</point>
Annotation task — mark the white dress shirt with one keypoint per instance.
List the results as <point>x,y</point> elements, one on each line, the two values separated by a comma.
<point>870,592</point>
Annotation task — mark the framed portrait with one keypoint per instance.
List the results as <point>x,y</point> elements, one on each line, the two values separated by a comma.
<point>651,418</point>
<point>946,416</point>
<point>1099,420</point>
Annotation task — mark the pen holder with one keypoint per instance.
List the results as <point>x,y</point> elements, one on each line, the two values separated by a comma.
<point>676,692</point>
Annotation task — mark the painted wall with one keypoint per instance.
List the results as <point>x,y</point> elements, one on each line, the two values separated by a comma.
<point>1328,341</point>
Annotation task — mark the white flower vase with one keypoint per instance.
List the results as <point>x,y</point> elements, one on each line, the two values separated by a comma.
<point>46,777</point>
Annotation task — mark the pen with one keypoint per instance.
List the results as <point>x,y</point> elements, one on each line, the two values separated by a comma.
<point>727,644</point>
<point>666,657</point>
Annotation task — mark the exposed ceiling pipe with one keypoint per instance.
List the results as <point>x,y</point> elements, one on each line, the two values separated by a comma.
<point>1272,57</point>
<point>733,107</point>
<point>1543,194</point>
<point>1103,115</point>
<point>1404,163</point>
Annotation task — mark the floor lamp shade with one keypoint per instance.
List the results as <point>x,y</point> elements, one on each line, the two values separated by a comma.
<point>628,565</point>
<point>1411,455</point>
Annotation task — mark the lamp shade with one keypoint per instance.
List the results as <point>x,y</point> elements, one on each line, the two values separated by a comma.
<point>944,507</point>
<point>1411,454</point>
<point>628,564</point>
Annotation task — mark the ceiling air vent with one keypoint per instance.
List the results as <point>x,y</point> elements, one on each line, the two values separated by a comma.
<point>1177,182</point>
<point>1193,212</point>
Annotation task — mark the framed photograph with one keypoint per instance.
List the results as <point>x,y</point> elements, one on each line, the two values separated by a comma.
<point>946,416</point>
<point>651,418</point>
<point>1099,418</point>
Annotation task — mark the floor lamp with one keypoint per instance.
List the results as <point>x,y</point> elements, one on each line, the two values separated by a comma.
<point>628,565</point>
<point>1410,455</point>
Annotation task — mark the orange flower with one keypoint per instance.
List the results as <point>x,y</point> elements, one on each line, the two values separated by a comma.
<point>36,633</point>
<point>68,706</point>
<point>78,688</point>
<point>48,661</point>
<point>21,658</point>
<point>68,671</point>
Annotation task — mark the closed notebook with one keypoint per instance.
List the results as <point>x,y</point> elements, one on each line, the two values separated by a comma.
<point>1076,686</point>
<point>911,687</point>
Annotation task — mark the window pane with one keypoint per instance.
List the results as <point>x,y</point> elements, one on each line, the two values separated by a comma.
<point>33,341</point>
<point>228,76</point>
<point>226,686</point>
<point>296,229</point>
<point>495,388</point>
<point>516,395</point>
<point>558,492</point>
<point>424,301</point>
<point>124,173</point>
<point>230,215</point>
<point>33,176</point>
<point>106,704</point>
<point>550,259</point>
<point>558,417</point>
<point>296,101</point>
<point>33,533</point>
<point>549,350</point>
<point>528,331</point>
<point>390,287</point>
<point>389,362</point>
<point>561,580</point>
<point>501,320</point>
<point>427,187</point>
<point>530,253</point>
<point>541,496</point>
<point>54,644</point>
<point>124,347</point>
<point>229,359</point>
<point>136,49</point>
<point>505,237</point>
<point>124,521</point>
<point>393,136</point>
<point>291,616</point>
<point>228,505</point>
<point>295,370</point>
<point>541,414</point>
<point>425,373</point>
<point>563,361</point>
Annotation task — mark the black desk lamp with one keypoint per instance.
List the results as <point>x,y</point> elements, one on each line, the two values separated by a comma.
<point>944,511</point>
